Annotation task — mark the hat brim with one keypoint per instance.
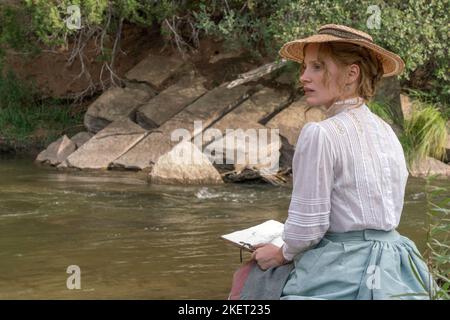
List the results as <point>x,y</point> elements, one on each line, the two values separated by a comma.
<point>392,63</point>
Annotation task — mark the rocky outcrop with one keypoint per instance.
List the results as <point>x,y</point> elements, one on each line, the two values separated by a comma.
<point>155,69</point>
<point>81,138</point>
<point>114,104</point>
<point>170,101</point>
<point>209,108</point>
<point>291,120</point>
<point>57,151</point>
<point>184,164</point>
<point>429,166</point>
<point>107,145</point>
<point>406,106</point>
<point>164,101</point>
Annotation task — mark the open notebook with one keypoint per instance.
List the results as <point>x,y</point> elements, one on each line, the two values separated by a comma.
<point>270,231</point>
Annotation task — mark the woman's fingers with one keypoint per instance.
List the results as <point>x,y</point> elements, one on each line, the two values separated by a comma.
<point>259,245</point>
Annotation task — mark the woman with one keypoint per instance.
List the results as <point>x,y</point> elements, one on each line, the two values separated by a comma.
<point>349,178</point>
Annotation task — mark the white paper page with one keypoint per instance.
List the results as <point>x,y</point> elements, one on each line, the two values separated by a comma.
<point>267,232</point>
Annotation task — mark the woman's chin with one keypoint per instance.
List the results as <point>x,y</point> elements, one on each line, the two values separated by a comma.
<point>312,102</point>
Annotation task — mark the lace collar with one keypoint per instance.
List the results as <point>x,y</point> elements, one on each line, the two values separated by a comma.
<point>343,105</point>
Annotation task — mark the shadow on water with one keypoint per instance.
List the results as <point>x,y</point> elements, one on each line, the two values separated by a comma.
<point>130,239</point>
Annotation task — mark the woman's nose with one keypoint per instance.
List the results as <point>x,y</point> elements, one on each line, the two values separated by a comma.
<point>304,78</point>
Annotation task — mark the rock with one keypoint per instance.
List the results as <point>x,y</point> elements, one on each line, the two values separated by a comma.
<point>170,101</point>
<point>252,111</point>
<point>140,86</point>
<point>114,104</point>
<point>291,120</point>
<point>429,166</point>
<point>253,149</point>
<point>406,107</point>
<point>155,69</point>
<point>210,107</point>
<point>81,138</point>
<point>184,164</point>
<point>240,142</point>
<point>107,145</point>
<point>57,151</point>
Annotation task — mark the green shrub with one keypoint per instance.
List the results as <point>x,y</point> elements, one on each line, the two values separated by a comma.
<point>382,110</point>
<point>424,134</point>
<point>417,30</point>
<point>22,114</point>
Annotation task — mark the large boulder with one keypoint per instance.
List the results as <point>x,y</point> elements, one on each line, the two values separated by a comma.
<point>291,120</point>
<point>81,138</point>
<point>429,166</point>
<point>253,148</point>
<point>250,113</point>
<point>406,106</point>
<point>170,101</point>
<point>184,164</point>
<point>114,104</point>
<point>207,109</point>
<point>155,69</point>
<point>57,151</point>
<point>107,145</point>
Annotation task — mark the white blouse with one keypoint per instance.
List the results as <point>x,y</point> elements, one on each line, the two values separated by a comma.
<point>349,173</point>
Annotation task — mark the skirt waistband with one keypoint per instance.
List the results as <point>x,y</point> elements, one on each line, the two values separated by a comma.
<point>363,235</point>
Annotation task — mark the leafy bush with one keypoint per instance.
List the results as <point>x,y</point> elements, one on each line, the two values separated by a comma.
<point>424,134</point>
<point>22,114</point>
<point>417,30</point>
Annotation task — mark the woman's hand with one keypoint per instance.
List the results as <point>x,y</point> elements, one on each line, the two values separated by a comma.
<point>268,256</point>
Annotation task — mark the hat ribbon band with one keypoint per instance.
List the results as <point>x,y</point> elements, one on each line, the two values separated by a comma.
<point>343,34</point>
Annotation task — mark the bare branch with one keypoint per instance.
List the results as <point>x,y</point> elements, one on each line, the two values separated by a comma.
<point>257,73</point>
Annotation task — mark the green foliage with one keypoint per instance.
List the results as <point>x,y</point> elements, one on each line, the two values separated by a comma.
<point>13,31</point>
<point>382,110</point>
<point>417,30</point>
<point>22,114</point>
<point>424,134</point>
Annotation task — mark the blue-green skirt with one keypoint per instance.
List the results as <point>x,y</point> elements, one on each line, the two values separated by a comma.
<point>364,265</point>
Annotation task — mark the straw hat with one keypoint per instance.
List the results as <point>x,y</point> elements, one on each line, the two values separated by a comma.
<point>392,63</point>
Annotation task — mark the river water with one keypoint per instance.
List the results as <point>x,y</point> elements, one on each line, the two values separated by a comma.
<point>132,240</point>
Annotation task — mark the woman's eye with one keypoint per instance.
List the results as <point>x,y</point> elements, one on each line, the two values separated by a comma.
<point>316,67</point>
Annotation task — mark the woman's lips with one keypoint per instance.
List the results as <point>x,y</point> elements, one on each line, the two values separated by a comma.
<point>308,91</point>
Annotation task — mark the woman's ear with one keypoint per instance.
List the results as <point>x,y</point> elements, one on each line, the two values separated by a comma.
<point>353,73</point>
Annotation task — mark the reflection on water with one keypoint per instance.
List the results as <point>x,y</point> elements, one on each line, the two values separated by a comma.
<point>130,239</point>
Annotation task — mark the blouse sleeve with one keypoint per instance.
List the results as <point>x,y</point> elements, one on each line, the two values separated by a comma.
<point>313,176</point>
